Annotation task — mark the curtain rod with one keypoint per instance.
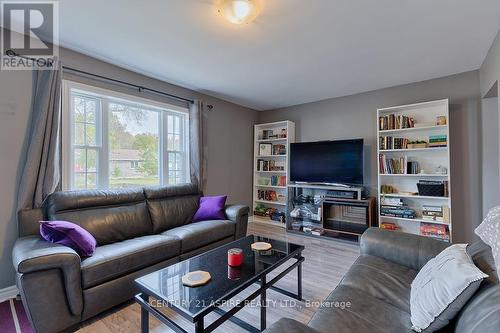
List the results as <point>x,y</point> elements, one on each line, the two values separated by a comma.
<point>12,53</point>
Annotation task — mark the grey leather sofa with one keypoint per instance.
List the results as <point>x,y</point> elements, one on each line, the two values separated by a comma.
<point>378,289</point>
<point>137,231</point>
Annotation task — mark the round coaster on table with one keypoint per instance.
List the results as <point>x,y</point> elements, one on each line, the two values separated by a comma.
<point>196,278</point>
<point>261,246</point>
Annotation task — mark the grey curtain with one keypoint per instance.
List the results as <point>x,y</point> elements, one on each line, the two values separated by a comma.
<point>42,169</point>
<point>197,155</point>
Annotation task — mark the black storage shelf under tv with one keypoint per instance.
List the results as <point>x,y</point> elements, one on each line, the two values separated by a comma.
<point>332,218</point>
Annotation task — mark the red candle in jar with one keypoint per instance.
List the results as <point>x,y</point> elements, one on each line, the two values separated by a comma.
<point>235,257</point>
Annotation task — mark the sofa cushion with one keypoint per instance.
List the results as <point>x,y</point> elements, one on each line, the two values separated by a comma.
<point>211,208</point>
<point>382,279</point>
<point>435,297</point>
<point>171,206</point>
<point>350,309</point>
<point>108,215</point>
<point>482,313</point>
<point>198,234</point>
<point>68,234</point>
<point>489,232</point>
<point>117,259</point>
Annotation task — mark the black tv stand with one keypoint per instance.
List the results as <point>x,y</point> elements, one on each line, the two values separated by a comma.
<point>313,212</point>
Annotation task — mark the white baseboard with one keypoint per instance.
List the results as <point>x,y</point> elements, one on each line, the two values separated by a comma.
<point>8,293</point>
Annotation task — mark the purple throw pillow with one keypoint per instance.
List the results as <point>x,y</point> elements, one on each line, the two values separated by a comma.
<point>68,234</point>
<point>211,208</point>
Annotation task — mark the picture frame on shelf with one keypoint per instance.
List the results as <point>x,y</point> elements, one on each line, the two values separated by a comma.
<point>279,150</point>
<point>266,134</point>
<point>265,149</point>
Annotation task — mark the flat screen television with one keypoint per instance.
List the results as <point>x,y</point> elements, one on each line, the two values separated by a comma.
<point>335,162</point>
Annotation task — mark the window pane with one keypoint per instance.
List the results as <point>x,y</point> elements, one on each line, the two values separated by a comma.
<point>80,182</point>
<point>80,164</point>
<point>178,161</point>
<point>134,158</point>
<point>91,160</point>
<point>90,116</point>
<point>79,109</point>
<point>80,134</point>
<point>170,124</point>
<point>174,143</point>
<point>177,128</point>
<point>175,167</point>
<point>177,142</point>
<point>91,135</point>
<point>170,142</point>
<point>90,107</point>
<point>91,180</point>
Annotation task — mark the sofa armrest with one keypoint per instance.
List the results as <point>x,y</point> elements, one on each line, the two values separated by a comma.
<point>239,215</point>
<point>409,250</point>
<point>286,325</point>
<point>32,254</point>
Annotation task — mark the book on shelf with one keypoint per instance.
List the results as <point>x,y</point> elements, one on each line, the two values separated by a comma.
<point>270,165</point>
<point>434,230</point>
<point>398,211</point>
<point>446,214</point>
<point>391,122</point>
<point>438,138</point>
<point>391,201</point>
<point>276,165</point>
<point>267,195</point>
<point>262,165</point>
<point>278,180</point>
<point>430,208</point>
<point>389,142</point>
<point>397,165</point>
<point>412,167</point>
<point>436,213</point>
<point>433,218</point>
<point>438,141</point>
<point>389,226</point>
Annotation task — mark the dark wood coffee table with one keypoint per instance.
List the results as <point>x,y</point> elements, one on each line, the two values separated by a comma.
<point>165,288</point>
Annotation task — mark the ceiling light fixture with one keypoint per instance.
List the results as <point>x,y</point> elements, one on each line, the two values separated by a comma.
<point>239,11</point>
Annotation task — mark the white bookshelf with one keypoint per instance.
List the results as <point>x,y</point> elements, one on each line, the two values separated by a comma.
<point>281,190</point>
<point>429,159</point>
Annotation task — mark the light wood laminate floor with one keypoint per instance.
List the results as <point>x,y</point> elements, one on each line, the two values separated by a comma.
<point>325,264</point>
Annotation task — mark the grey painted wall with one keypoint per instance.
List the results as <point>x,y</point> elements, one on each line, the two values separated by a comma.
<point>355,117</point>
<point>15,101</point>
<point>228,132</point>
<point>490,154</point>
<point>489,74</point>
<point>490,69</point>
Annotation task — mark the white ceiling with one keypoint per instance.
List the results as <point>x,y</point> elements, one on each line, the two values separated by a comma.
<point>296,51</point>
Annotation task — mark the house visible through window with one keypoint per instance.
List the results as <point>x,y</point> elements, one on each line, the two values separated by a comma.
<point>134,164</point>
<point>116,140</point>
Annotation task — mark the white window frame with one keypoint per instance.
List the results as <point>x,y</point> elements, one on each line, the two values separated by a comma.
<point>102,132</point>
